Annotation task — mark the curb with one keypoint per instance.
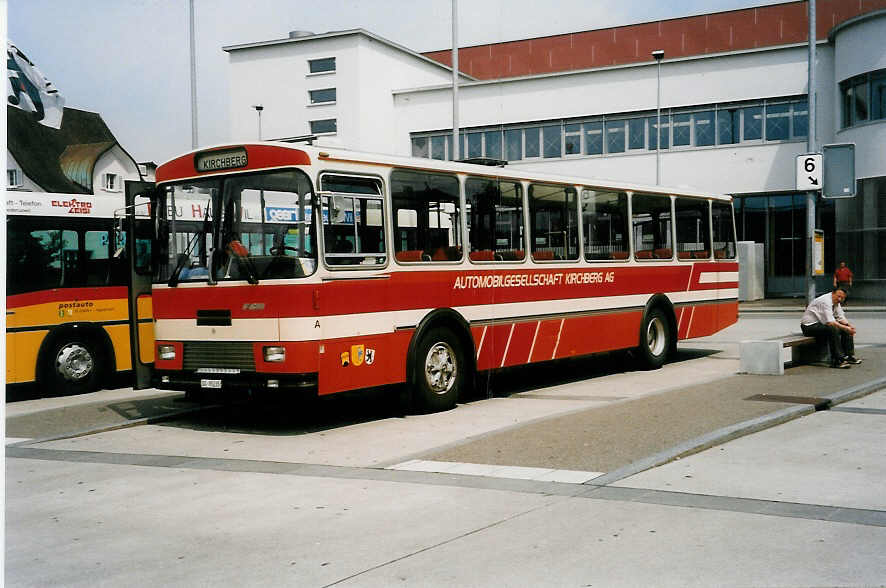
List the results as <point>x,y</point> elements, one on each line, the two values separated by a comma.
<point>703,442</point>
<point>730,432</point>
<point>115,427</point>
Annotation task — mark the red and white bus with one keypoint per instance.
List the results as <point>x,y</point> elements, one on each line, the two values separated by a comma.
<point>419,272</point>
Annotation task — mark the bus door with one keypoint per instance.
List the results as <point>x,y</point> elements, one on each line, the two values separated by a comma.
<point>138,234</point>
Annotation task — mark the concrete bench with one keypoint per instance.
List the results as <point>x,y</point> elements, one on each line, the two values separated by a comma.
<point>769,356</point>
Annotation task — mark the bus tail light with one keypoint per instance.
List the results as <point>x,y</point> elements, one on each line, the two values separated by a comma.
<point>166,352</point>
<point>274,354</point>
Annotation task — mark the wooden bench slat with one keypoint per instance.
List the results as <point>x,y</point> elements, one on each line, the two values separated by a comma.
<point>794,339</point>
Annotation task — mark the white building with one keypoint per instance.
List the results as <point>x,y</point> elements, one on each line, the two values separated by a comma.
<point>733,99</point>
<point>326,85</point>
<point>80,157</point>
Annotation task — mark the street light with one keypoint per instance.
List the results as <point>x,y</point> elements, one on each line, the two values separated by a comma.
<point>258,108</point>
<point>658,54</point>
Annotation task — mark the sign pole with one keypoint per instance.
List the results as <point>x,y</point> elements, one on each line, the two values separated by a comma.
<point>811,148</point>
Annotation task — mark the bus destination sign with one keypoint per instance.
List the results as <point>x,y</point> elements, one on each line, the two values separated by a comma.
<point>219,160</point>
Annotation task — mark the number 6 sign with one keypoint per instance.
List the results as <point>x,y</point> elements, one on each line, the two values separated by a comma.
<point>809,171</point>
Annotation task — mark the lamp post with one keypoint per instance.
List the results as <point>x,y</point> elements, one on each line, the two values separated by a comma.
<point>258,108</point>
<point>658,54</point>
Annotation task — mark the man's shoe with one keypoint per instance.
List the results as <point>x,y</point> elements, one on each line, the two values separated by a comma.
<point>852,359</point>
<point>843,365</point>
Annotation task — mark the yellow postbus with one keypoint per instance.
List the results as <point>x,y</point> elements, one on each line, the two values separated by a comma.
<point>78,304</point>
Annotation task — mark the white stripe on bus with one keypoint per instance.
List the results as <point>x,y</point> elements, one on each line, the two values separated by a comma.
<point>376,323</point>
<point>507,345</point>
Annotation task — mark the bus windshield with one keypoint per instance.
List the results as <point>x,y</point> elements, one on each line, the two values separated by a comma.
<point>245,227</point>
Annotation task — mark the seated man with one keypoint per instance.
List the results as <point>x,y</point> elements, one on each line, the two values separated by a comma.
<point>824,318</point>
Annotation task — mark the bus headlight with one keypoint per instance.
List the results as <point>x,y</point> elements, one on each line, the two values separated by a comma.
<point>166,351</point>
<point>274,354</point>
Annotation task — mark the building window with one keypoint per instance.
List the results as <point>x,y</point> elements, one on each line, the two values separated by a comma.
<point>326,125</point>
<point>322,96</point>
<point>636,133</point>
<point>532,143</point>
<point>551,137</point>
<point>753,123</point>
<point>594,138</point>
<point>864,98</point>
<point>438,147</point>
<point>654,134</point>
<point>13,178</point>
<point>615,135</point>
<point>778,122</point>
<point>325,65</point>
<point>110,182</point>
<point>514,144</point>
<point>800,117</point>
<point>681,130</point>
<point>572,143</point>
<point>703,126</point>
<point>728,126</point>
<point>493,144</point>
<point>420,146</point>
<point>878,95</point>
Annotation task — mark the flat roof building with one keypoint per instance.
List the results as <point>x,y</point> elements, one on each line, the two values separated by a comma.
<point>733,111</point>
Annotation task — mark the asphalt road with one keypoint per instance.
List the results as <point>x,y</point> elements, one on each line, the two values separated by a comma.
<point>578,473</point>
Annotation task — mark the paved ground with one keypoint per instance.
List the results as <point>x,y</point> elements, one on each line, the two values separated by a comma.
<point>692,476</point>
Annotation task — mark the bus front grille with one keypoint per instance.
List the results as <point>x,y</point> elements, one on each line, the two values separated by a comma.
<point>218,354</point>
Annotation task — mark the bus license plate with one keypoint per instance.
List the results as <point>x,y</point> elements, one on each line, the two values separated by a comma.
<point>210,383</point>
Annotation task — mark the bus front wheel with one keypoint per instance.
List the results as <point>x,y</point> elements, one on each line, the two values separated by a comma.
<point>72,367</point>
<point>438,371</point>
<point>655,339</point>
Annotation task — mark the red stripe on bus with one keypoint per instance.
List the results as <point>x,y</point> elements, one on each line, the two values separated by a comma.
<point>258,157</point>
<point>66,295</point>
<point>427,289</point>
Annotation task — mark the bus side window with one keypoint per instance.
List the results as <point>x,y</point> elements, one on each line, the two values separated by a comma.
<point>554,230</point>
<point>33,258</point>
<point>724,235</point>
<point>495,219</point>
<point>353,220</point>
<point>604,216</point>
<point>96,260</point>
<point>427,217</point>
<point>651,226</point>
<point>693,236</point>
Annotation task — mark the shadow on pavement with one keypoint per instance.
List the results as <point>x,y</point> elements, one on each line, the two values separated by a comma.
<point>300,416</point>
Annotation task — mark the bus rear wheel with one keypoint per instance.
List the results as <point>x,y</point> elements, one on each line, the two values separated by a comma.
<point>438,371</point>
<point>72,367</point>
<point>655,339</point>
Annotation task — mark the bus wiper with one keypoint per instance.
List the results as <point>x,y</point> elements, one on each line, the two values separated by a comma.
<point>186,257</point>
<point>237,250</point>
<point>183,259</point>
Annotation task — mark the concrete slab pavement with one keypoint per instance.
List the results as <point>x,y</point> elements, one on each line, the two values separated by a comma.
<point>192,502</point>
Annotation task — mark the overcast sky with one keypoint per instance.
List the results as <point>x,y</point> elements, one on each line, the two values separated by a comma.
<point>129,59</point>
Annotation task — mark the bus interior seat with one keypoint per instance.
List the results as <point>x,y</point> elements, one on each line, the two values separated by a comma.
<point>702,254</point>
<point>482,255</point>
<point>684,255</point>
<point>447,254</point>
<point>664,253</point>
<point>720,254</point>
<point>644,254</point>
<point>510,255</point>
<point>619,255</point>
<point>412,255</point>
<point>546,255</point>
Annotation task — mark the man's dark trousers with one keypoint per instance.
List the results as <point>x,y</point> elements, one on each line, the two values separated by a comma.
<point>840,343</point>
